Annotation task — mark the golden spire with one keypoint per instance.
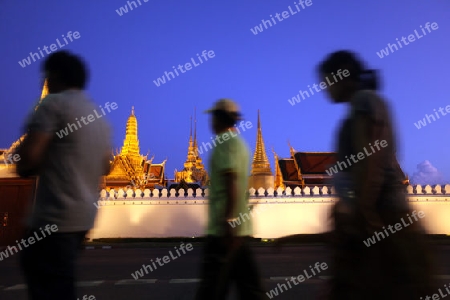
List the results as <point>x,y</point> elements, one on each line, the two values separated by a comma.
<point>299,172</point>
<point>195,133</point>
<point>44,89</point>
<point>44,93</point>
<point>193,170</point>
<point>260,164</point>
<point>199,162</point>
<point>278,176</point>
<point>291,149</point>
<point>131,142</point>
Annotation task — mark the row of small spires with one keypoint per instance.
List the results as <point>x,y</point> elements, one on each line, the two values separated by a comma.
<point>307,191</point>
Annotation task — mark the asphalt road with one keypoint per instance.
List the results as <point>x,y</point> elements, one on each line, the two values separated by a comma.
<point>106,272</point>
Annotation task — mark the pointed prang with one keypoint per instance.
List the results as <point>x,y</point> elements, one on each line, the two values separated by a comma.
<point>195,132</point>
<point>131,141</point>
<point>260,164</point>
<point>259,121</point>
<point>190,132</point>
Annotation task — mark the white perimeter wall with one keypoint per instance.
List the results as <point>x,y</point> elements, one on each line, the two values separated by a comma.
<point>305,212</point>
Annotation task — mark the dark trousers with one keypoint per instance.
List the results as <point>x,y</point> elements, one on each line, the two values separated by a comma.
<point>220,268</point>
<point>49,266</point>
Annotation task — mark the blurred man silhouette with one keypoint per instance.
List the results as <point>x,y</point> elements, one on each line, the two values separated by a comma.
<point>69,170</point>
<point>227,257</point>
<point>372,196</point>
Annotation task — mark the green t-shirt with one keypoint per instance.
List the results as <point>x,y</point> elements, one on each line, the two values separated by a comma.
<point>230,153</point>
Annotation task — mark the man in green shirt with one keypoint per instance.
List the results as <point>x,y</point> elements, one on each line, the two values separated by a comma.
<point>227,256</point>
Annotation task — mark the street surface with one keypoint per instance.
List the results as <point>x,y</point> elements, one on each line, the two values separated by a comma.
<point>105,272</point>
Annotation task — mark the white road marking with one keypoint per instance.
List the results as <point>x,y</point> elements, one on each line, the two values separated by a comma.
<point>148,281</point>
<point>16,287</point>
<point>134,281</point>
<point>281,277</point>
<point>90,283</point>
<point>188,280</point>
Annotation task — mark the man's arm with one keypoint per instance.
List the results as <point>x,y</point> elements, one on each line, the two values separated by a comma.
<point>32,153</point>
<point>230,178</point>
<point>366,172</point>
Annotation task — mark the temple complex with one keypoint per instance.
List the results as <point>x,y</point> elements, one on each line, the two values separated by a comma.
<point>261,175</point>
<point>130,168</point>
<point>194,174</point>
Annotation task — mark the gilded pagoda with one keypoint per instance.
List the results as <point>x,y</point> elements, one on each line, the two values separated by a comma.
<point>261,175</point>
<point>194,173</point>
<point>130,168</point>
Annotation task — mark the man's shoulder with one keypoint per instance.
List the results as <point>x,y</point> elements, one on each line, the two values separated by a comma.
<point>235,143</point>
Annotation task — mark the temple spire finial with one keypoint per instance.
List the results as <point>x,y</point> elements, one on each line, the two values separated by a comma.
<point>190,132</point>
<point>132,110</point>
<point>195,128</point>
<point>259,122</point>
<point>291,149</point>
<point>260,163</point>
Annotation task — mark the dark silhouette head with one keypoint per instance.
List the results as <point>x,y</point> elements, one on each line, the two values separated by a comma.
<point>360,77</point>
<point>65,71</point>
<point>225,113</point>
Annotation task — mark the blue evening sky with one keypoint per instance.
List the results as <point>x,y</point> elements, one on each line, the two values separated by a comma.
<point>127,53</point>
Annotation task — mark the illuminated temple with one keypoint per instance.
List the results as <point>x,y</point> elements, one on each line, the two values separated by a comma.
<point>131,169</point>
<point>301,169</point>
<point>260,175</point>
<point>194,174</point>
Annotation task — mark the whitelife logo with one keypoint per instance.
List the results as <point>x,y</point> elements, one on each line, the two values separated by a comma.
<point>27,61</point>
<point>140,273</point>
<point>285,14</point>
<point>31,240</point>
<point>241,219</point>
<point>124,9</point>
<point>360,156</point>
<point>411,38</point>
<point>423,123</point>
<point>323,85</point>
<point>225,136</point>
<point>65,132</point>
<point>274,292</point>
<point>162,80</point>
<point>371,241</point>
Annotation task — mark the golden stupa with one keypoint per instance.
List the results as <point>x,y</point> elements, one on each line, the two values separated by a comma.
<point>261,175</point>
<point>129,167</point>
<point>194,171</point>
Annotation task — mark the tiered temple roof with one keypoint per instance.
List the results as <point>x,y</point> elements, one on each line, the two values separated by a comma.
<point>194,173</point>
<point>304,168</point>
<point>129,167</point>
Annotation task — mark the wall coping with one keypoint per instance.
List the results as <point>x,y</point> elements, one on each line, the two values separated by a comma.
<point>320,194</point>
